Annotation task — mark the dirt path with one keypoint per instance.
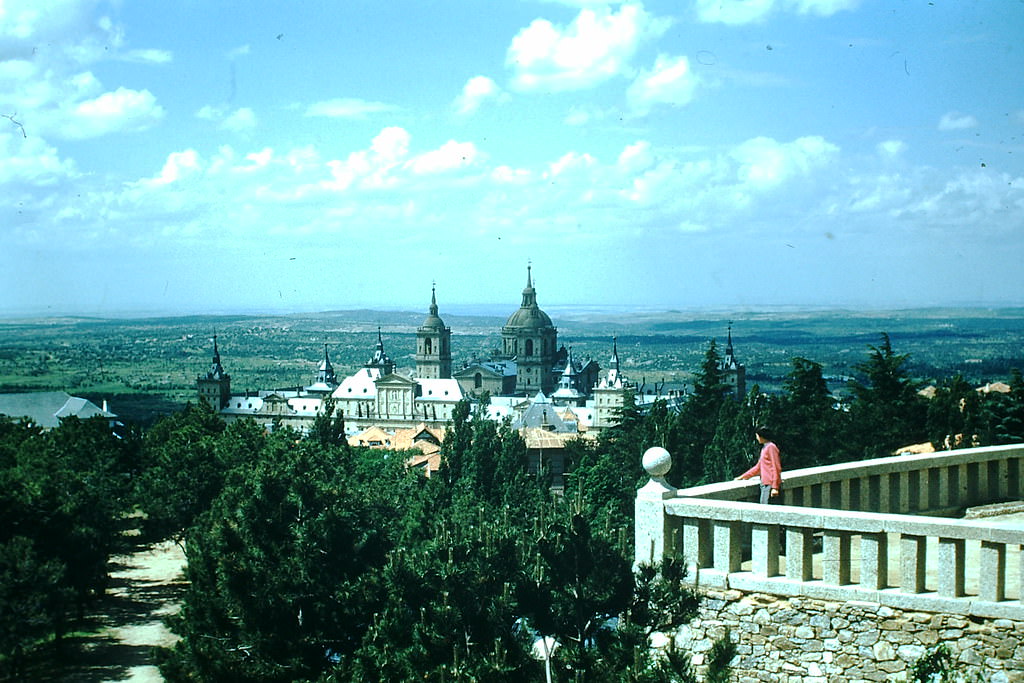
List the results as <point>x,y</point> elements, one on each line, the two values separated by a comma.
<point>145,587</point>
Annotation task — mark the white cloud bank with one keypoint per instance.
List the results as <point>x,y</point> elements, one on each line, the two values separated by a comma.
<point>737,12</point>
<point>598,45</point>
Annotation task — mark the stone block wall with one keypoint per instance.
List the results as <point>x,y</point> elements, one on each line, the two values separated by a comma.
<point>801,640</point>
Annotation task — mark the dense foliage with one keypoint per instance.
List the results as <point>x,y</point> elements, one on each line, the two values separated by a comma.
<point>311,560</point>
<point>64,494</point>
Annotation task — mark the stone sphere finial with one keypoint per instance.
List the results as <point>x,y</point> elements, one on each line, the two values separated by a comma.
<point>657,461</point>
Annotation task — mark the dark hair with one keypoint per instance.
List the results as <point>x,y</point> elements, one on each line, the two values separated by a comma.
<point>765,432</point>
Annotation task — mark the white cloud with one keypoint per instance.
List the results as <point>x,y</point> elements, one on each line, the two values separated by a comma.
<point>477,90</point>
<point>891,149</point>
<point>507,174</point>
<point>956,121</point>
<point>636,157</point>
<point>148,56</point>
<point>241,120</point>
<point>764,162</point>
<point>391,144</point>
<point>44,50</point>
<point>598,45</point>
<point>670,81</point>
<point>348,108</point>
<point>178,165</point>
<point>121,110</point>
<point>450,156</point>
<point>735,12</point>
<point>28,160</point>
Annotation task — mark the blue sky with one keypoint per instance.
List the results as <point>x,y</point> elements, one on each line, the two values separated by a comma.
<point>192,157</point>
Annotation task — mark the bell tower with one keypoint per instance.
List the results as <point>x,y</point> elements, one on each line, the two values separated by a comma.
<point>215,387</point>
<point>433,345</point>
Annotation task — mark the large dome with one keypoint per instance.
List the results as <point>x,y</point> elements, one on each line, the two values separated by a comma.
<point>529,315</point>
<point>529,318</point>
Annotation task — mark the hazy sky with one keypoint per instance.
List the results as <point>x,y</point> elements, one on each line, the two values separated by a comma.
<point>198,156</point>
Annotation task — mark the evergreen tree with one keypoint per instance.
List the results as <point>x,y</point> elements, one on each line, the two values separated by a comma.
<point>956,416</point>
<point>282,569</point>
<point>805,417</point>
<point>698,421</point>
<point>1008,412</point>
<point>729,452</point>
<point>886,411</point>
<point>328,429</point>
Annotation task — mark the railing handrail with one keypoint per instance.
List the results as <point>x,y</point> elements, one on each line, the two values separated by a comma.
<point>805,545</point>
<point>826,474</point>
<point>842,520</point>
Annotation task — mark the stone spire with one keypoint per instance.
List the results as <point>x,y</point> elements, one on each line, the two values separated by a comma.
<point>380,358</point>
<point>325,374</point>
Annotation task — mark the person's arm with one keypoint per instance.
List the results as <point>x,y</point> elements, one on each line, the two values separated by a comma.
<point>756,469</point>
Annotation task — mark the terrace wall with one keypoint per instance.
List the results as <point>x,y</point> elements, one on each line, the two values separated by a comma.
<point>859,571</point>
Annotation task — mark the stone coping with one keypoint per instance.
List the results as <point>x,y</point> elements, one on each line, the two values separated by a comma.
<point>840,520</point>
<point>861,469</point>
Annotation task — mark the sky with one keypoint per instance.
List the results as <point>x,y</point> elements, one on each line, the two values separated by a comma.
<point>205,156</point>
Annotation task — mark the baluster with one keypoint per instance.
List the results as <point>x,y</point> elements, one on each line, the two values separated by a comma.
<point>952,567</point>
<point>697,546</point>
<point>764,549</point>
<point>992,571</point>
<point>799,553</point>
<point>874,561</point>
<point>835,560</point>
<point>727,545</point>
<point>912,563</point>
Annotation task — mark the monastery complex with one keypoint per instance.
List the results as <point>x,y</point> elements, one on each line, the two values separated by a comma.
<point>546,393</point>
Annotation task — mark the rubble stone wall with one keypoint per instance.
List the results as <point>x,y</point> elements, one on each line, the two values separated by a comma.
<point>801,640</point>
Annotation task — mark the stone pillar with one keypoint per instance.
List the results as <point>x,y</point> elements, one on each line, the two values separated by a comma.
<point>727,545</point>
<point>983,493</point>
<point>764,549</point>
<point>697,546</point>
<point>844,496</point>
<point>963,487</point>
<point>992,571</point>
<point>903,493</point>
<point>652,538</point>
<point>835,557</point>
<point>874,559</point>
<point>945,495</point>
<point>912,563</point>
<point>1001,486</point>
<point>799,553</point>
<point>924,494</point>
<point>952,567</point>
<point>884,493</point>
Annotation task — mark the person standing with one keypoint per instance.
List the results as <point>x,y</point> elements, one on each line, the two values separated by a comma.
<point>768,467</point>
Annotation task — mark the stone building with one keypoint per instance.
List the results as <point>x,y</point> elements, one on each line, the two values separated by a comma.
<point>529,363</point>
<point>530,340</point>
<point>433,345</point>
<point>610,392</point>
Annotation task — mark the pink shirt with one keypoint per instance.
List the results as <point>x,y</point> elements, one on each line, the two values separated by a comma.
<point>768,467</point>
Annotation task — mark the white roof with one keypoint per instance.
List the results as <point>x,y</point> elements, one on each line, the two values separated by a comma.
<point>439,390</point>
<point>243,404</point>
<point>359,385</point>
<point>309,405</point>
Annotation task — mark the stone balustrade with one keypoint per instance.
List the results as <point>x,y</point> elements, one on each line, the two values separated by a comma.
<point>884,531</point>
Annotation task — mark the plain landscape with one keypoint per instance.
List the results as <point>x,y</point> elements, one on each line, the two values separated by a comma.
<point>145,367</point>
